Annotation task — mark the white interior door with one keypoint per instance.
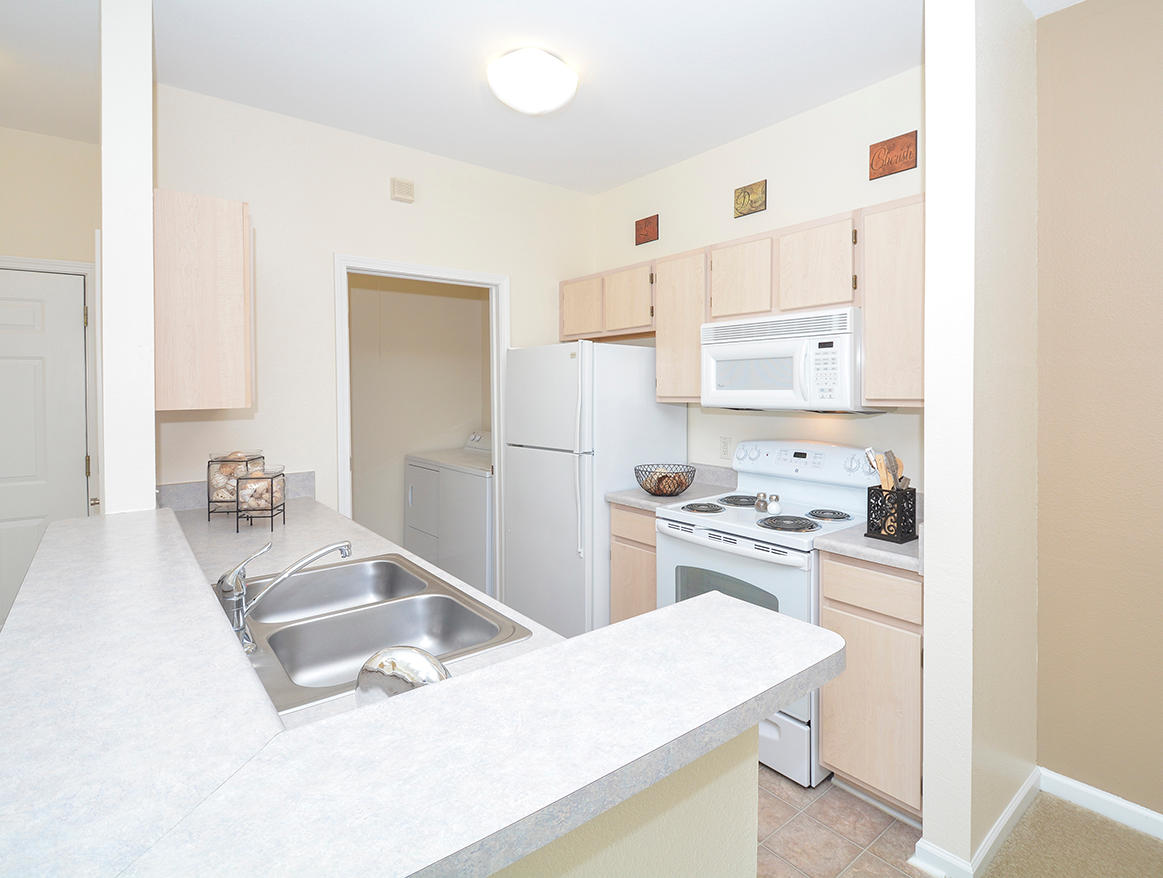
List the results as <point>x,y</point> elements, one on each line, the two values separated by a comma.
<point>42,401</point>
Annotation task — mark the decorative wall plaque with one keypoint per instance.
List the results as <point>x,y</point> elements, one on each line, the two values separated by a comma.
<point>751,198</point>
<point>892,156</point>
<point>646,230</point>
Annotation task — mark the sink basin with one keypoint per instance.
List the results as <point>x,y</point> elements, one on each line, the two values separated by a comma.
<point>313,633</point>
<point>330,651</point>
<point>319,590</point>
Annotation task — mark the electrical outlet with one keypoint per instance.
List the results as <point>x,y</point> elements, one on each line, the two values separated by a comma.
<point>724,447</point>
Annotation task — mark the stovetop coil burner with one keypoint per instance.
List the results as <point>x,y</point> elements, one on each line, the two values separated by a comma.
<point>829,515</point>
<point>788,523</point>
<point>703,507</point>
<point>739,500</point>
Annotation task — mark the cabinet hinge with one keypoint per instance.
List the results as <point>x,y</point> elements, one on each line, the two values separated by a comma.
<point>88,470</point>
<point>652,277</point>
<point>85,315</point>
<point>651,310</point>
<point>853,281</point>
<point>854,236</point>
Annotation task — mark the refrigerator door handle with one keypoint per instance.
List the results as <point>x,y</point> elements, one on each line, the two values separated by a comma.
<point>578,500</point>
<point>577,415</point>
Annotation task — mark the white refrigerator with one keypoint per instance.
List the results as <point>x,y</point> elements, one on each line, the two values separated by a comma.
<point>578,417</point>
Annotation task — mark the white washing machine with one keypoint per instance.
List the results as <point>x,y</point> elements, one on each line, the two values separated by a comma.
<point>448,509</point>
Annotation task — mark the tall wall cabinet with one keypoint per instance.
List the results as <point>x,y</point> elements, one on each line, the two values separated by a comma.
<point>203,308</point>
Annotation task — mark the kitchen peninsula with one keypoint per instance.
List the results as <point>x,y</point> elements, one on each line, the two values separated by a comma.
<point>153,749</point>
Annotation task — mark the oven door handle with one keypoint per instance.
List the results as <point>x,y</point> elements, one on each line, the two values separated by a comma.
<point>743,547</point>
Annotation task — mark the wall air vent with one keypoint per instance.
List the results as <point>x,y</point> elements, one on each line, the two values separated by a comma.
<point>403,190</point>
<point>840,320</point>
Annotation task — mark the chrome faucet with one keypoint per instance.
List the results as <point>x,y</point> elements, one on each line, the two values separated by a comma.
<point>232,587</point>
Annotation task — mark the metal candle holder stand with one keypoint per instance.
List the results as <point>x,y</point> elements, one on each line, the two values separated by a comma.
<point>273,510</point>
<point>892,514</point>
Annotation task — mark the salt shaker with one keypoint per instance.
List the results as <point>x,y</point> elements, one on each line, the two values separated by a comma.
<point>773,506</point>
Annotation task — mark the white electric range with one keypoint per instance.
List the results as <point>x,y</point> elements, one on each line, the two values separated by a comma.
<point>722,543</point>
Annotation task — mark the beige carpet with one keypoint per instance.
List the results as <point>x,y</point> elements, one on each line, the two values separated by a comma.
<point>1056,839</point>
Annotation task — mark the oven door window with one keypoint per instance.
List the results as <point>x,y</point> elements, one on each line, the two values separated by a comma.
<point>693,581</point>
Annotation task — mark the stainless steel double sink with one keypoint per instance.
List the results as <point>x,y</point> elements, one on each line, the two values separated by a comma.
<point>314,632</point>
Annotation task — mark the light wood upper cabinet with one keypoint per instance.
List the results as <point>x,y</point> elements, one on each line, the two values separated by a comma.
<point>628,300</point>
<point>203,339</point>
<point>581,307</point>
<point>741,278</point>
<point>680,295</point>
<point>632,562</point>
<point>870,715</point>
<point>815,265</point>
<point>892,239</point>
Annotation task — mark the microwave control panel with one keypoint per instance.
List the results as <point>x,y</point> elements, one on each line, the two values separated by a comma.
<point>830,372</point>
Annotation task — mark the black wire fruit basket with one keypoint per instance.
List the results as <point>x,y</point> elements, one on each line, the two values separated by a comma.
<point>664,479</point>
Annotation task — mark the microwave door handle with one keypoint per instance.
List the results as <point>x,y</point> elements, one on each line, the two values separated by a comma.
<point>805,365</point>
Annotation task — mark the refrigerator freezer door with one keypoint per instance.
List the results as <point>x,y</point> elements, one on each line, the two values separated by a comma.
<point>548,545</point>
<point>547,396</point>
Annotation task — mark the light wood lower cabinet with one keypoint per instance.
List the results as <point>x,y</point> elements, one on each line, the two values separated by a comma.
<point>203,334</point>
<point>632,557</point>
<point>870,716</point>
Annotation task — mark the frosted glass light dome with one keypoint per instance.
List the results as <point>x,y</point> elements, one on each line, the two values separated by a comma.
<point>532,81</point>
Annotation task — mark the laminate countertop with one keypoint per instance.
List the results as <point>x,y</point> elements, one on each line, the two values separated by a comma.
<point>140,741</point>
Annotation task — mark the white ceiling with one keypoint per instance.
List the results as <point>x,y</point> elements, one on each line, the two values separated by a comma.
<point>661,80</point>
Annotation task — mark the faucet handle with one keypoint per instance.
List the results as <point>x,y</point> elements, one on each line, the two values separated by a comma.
<point>233,581</point>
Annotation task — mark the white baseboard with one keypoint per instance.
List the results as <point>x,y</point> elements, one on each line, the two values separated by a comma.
<point>940,863</point>
<point>1104,803</point>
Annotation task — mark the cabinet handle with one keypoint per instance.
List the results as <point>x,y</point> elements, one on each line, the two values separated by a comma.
<point>410,494</point>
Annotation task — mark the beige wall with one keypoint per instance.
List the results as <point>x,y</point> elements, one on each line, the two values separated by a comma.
<point>701,820</point>
<point>1100,610</point>
<point>49,202</point>
<point>815,164</point>
<point>316,191</point>
<point>418,354</point>
<point>1005,373</point>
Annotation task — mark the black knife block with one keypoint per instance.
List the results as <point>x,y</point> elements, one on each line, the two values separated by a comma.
<point>892,515</point>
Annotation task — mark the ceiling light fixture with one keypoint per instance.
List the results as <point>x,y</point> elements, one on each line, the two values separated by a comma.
<point>532,81</point>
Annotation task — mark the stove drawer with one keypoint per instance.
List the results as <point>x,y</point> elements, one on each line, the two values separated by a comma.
<point>632,524</point>
<point>786,746</point>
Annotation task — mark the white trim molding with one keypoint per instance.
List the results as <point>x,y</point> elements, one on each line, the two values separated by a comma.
<point>938,862</point>
<point>498,286</point>
<point>1101,802</point>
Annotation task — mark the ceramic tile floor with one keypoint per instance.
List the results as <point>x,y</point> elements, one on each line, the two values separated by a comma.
<point>827,832</point>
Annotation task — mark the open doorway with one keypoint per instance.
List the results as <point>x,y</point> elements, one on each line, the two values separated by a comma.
<point>419,362</point>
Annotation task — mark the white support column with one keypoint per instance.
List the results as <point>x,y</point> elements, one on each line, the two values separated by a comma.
<point>127,369</point>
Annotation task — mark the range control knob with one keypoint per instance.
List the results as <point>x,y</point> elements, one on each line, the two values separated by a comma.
<point>852,464</point>
<point>753,453</point>
<point>740,453</point>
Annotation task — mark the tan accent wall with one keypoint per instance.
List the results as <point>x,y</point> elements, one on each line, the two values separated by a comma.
<point>48,196</point>
<point>1100,592</point>
<point>419,381</point>
<point>701,820</point>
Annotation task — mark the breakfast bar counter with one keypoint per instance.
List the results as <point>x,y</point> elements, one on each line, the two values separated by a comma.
<point>142,743</point>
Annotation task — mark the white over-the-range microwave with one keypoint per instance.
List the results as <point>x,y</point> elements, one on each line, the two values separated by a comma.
<point>807,361</point>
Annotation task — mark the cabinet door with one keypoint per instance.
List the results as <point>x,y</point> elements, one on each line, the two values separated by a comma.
<point>893,279</point>
<point>870,716</point>
<point>815,266</point>
<point>627,300</point>
<point>632,579</point>
<point>680,291</point>
<point>581,307</point>
<point>422,499</point>
<point>202,302</point>
<point>741,278</point>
